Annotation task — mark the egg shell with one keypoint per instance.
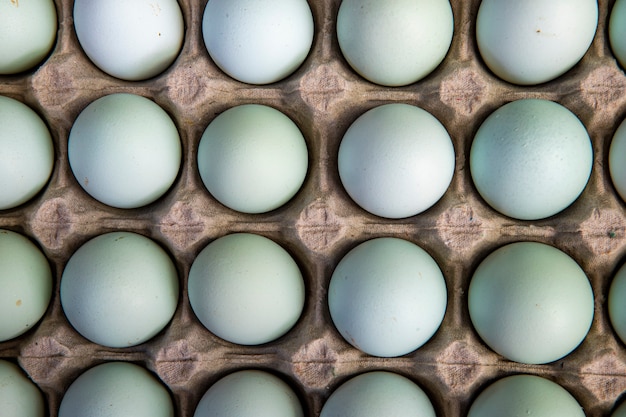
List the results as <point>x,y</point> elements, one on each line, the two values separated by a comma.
<point>387,297</point>
<point>617,160</point>
<point>378,393</point>
<point>530,302</point>
<point>252,158</point>
<point>530,42</point>
<point>258,41</point>
<point>119,289</point>
<point>19,396</point>
<point>25,284</point>
<point>617,31</point>
<point>114,389</point>
<point>249,393</point>
<point>124,150</point>
<point>531,159</point>
<point>28,30</point>
<point>394,43</point>
<point>620,411</point>
<point>246,289</point>
<point>616,304</point>
<point>131,40</point>
<point>396,160</point>
<point>26,153</point>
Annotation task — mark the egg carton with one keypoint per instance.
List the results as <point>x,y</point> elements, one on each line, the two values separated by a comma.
<point>321,223</point>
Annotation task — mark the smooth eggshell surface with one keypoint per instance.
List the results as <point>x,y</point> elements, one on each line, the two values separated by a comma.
<point>529,42</point>
<point>25,284</point>
<point>617,303</point>
<point>114,389</point>
<point>252,158</point>
<point>376,394</point>
<point>530,302</point>
<point>119,289</point>
<point>531,159</point>
<point>617,160</point>
<point>258,41</point>
<point>130,40</point>
<point>124,150</point>
<point>394,43</point>
<point>396,160</point>
<point>28,29</point>
<point>387,297</point>
<point>620,411</point>
<point>19,396</point>
<point>617,31</point>
<point>246,289</point>
<point>26,153</point>
<point>249,393</point>
<point>525,395</point>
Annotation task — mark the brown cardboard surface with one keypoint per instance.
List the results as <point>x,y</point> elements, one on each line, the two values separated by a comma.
<point>320,224</point>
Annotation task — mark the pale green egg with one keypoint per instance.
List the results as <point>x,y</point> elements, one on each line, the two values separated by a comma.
<point>19,396</point>
<point>25,284</point>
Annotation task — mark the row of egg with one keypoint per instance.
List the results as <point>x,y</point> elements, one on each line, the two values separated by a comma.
<point>124,388</point>
<point>528,301</point>
<point>530,159</point>
<point>260,42</point>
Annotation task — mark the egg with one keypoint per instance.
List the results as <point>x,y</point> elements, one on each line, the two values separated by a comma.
<point>530,302</point>
<point>525,395</point>
<point>529,42</point>
<point>25,284</point>
<point>252,158</point>
<point>28,30</point>
<point>378,393</point>
<point>617,156</point>
<point>387,297</point>
<point>131,40</point>
<point>113,389</point>
<point>246,289</point>
<point>124,150</point>
<point>26,152</point>
<point>617,31</point>
<point>249,393</point>
<point>531,159</point>
<point>19,396</point>
<point>258,41</point>
<point>394,43</point>
<point>119,289</point>
<point>396,160</point>
<point>617,307</point>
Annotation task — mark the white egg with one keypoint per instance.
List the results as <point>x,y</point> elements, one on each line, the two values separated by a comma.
<point>25,284</point>
<point>531,159</point>
<point>114,389</point>
<point>119,289</point>
<point>252,158</point>
<point>246,289</point>
<point>19,396</point>
<point>124,150</point>
<point>28,29</point>
<point>394,43</point>
<point>525,395</point>
<point>529,42</point>
<point>376,394</point>
<point>130,40</point>
<point>387,297</point>
<point>617,31</point>
<point>617,306</point>
<point>258,41</point>
<point>249,393</point>
<point>530,302</point>
<point>617,160</point>
<point>26,153</point>
<point>396,160</point>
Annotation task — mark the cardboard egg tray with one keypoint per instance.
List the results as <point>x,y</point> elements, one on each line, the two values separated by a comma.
<point>321,224</point>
